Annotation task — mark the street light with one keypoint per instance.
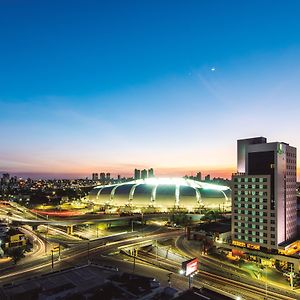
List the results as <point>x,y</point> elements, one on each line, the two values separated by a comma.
<point>88,253</point>
<point>52,261</point>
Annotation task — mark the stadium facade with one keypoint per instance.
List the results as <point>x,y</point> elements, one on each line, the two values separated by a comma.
<point>162,194</point>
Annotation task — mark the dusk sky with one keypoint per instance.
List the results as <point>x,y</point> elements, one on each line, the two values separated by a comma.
<point>90,86</point>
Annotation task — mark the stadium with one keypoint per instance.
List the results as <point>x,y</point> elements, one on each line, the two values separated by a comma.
<point>162,194</point>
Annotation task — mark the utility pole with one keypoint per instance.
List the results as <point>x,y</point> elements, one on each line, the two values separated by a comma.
<point>169,279</point>
<point>52,260</point>
<point>58,252</point>
<point>266,282</point>
<point>134,256</point>
<point>292,277</point>
<point>142,223</point>
<point>47,228</point>
<point>88,260</point>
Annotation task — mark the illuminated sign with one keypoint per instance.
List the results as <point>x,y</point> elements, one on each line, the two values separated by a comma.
<point>254,247</point>
<point>190,266</point>
<point>237,243</point>
<point>250,246</point>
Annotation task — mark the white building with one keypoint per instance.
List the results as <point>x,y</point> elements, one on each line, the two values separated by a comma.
<point>264,201</point>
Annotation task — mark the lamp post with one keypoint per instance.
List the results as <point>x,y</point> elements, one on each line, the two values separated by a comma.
<point>142,223</point>
<point>134,256</point>
<point>292,277</point>
<point>46,235</point>
<point>52,261</point>
<point>58,252</point>
<point>266,282</point>
<point>169,279</point>
<point>88,253</point>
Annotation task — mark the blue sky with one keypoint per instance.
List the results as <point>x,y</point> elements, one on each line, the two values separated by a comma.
<point>89,85</point>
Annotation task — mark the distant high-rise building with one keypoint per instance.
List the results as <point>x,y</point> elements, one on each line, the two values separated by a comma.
<point>5,178</point>
<point>150,173</point>
<point>107,177</point>
<point>144,174</point>
<point>207,178</point>
<point>102,178</point>
<point>95,176</point>
<point>199,176</point>
<point>119,176</point>
<point>137,174</point>
<point>264,201</point>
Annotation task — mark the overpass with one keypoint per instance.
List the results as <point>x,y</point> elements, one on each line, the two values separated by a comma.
<point>92,219</point>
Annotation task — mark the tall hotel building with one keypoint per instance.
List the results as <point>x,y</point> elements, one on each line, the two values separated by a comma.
<point>264,201</point>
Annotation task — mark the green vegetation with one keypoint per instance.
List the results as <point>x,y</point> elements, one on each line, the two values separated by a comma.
<point>16,253</point>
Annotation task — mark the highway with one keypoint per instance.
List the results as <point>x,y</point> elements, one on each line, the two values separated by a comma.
<point>232,273</point>
<point>77,255</point>
<point>100,251</point>
<point>105,251</point>
<point>220,283</point>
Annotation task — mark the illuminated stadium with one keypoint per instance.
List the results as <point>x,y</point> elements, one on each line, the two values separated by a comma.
<point>162,194</point>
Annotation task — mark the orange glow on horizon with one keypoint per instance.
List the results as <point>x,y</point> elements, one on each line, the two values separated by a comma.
<point>128,171</point>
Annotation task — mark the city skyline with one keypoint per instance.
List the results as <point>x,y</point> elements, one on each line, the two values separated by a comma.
<point>165,85</point>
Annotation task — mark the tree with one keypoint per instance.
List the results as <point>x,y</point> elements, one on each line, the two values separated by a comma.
<point>16,254</point>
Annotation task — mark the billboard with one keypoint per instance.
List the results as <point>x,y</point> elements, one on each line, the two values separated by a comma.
<point>190,266</point>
